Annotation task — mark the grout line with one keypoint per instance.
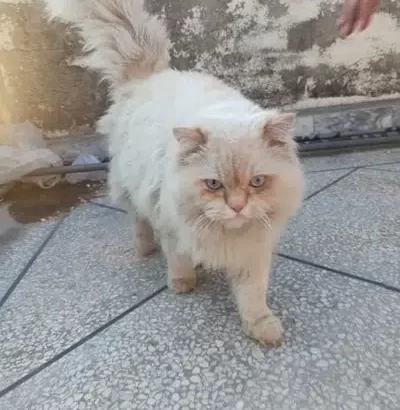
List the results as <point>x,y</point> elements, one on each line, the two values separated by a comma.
<point>382,163</point>
<point>342,273</point>
<point>80,342</point>
<point>112,208</point>
<point>384,170</point>
<point>358,166</point>
<point>334,182</point>
<point>329,169</point>
<point>29,264</point>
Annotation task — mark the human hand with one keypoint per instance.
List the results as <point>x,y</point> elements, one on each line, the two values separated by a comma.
<point>356,16</point>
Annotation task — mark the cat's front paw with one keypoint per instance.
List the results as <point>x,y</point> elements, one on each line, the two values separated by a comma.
<point>266,330</point>
<point>182,285</point>
<point>145,248</point>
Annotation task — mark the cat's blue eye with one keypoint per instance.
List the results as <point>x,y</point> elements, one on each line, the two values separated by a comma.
<point>257,181</point>
<point>213,184</point>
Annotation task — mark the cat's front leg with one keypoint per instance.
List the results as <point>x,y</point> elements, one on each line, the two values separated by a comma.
<point>181,271</point>
<point>250,289</point>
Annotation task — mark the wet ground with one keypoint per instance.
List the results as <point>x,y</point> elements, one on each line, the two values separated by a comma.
<point>28,203</point>
<point>86,324</point>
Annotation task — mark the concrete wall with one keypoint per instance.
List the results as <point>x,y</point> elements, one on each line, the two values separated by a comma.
<point>276,51</point>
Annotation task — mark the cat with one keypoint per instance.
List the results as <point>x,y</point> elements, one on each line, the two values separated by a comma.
<point>209,175</point>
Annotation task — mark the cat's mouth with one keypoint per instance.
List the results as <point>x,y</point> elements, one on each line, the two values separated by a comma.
<point>236,222</point>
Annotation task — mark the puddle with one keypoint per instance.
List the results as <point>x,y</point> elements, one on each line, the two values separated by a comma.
<point>26,204</point>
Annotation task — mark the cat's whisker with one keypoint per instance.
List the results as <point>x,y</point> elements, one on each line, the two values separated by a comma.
<point>203,224</point>
<point>265,221</point>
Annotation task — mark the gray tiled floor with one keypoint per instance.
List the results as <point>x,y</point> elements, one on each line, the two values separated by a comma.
<point>352,226</point>
<point>91,326</point>
<point>316,181</point>
<point>14,258</point>
<point>173,352</point>
<point>87,274</point>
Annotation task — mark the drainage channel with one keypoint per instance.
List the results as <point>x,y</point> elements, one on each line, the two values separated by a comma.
<point>315,145</point>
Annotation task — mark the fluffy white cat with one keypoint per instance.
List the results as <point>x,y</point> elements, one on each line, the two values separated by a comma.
<point>208,174</point>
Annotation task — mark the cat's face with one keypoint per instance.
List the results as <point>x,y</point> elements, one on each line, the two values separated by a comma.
<point>250,175</point>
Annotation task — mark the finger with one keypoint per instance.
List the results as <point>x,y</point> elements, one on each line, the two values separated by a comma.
<point>366,10</point>
<point>348,18</point>
<point>341,20</point>
<point>344,31</point>
<point>348,12</point>
<point>348,27</point>
<point>362,25</point>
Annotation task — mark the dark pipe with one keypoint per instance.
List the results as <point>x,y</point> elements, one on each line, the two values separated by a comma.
<point>69,169</point>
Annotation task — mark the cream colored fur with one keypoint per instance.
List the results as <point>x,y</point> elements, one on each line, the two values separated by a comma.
<point>172,132</point>
<point>121,39</point>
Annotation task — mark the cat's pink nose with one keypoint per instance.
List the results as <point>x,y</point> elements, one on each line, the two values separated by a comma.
<point>237,205</point>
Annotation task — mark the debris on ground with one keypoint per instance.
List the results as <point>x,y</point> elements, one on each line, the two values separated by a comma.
<point>86,159</point>
<point>22,151</point>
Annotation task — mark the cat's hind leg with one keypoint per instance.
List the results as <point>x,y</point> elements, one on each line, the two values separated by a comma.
<point>144,237</point>
<point>143,234</point>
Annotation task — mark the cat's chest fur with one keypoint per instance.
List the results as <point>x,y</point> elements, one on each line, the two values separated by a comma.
<point>236,250</point>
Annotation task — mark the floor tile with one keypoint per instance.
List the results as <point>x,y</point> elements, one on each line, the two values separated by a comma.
<point>350,160</point>
<point>341,352</point>
<point>87,274</point>
<point>18,244</point>
<point>352,226</point>
<point>318,180</point>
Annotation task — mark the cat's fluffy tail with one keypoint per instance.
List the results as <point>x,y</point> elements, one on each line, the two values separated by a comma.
<point>121,40</point>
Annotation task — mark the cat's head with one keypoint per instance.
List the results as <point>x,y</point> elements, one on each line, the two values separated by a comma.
<point>236,172</point>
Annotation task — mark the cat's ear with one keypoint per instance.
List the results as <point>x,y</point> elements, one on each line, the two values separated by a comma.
<point>190,139</point>
<point>277,130</point>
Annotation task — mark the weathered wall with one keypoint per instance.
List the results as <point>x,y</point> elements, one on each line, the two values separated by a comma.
<point>276,51</point>
<point>285,50</point>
